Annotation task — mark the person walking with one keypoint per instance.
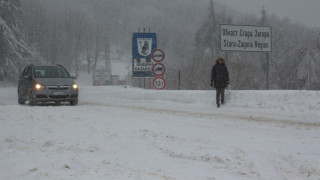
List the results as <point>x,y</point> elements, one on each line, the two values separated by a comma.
<point>219,80</point>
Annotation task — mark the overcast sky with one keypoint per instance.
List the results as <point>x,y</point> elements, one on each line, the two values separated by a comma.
<point>305,12</point>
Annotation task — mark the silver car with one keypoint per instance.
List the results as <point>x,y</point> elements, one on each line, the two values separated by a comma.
<point>47,83</point>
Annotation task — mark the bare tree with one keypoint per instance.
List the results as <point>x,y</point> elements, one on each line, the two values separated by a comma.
<point>97,45</point>
<point>89,48</point>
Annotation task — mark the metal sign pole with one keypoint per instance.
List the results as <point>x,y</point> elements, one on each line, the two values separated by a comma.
<point>268,72</point>
<point>226,56</point>
<point>179,80</point>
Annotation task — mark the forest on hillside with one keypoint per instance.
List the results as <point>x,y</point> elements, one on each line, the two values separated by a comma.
<point>80,34</point>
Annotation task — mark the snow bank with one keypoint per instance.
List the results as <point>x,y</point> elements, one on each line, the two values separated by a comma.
<point>123,132</point>
<point>305,102</point>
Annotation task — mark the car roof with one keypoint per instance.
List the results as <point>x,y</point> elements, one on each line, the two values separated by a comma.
<point>50,65</point>
<point>47,65</point>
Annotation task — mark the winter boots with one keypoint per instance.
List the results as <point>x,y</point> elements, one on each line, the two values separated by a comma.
<point>218,104</point>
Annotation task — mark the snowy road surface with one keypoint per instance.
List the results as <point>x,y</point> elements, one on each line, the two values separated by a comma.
<point>130,133</point>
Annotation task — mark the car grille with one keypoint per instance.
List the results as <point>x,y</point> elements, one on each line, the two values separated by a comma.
<point>41,96</point>
<point>59,96</point>
<point>74,96</point>
<point>58,87</point>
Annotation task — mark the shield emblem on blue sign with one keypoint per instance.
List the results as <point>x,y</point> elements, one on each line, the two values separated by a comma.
<point>144,46</point>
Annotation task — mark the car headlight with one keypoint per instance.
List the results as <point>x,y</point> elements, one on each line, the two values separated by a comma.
<point>75,86</point>
<point>38,86</point>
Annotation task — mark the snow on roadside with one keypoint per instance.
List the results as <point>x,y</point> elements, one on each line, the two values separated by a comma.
<point>302,106</point>
<point>276,103</point>
<point>123,132</point>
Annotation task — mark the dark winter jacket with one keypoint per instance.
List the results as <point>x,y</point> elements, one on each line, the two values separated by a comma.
<point>220,75</point>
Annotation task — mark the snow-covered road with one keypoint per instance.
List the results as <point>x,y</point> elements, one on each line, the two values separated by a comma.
<point>120,132</point>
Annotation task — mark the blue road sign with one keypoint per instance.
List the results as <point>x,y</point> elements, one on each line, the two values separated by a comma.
<point>142,46</point>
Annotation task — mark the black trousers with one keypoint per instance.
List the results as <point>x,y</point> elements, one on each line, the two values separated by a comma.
<point>220,93</point>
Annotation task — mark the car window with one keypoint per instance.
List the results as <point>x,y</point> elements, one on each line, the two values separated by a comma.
<point>26,72</point>
<point>50,72</point>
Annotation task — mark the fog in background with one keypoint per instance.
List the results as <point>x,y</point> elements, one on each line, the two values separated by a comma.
<point>306,12</point>
<point>83,35</point>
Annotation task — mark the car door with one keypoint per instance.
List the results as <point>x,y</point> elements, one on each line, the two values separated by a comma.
<point>25,82</point>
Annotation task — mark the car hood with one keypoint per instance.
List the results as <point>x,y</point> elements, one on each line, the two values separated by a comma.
<point>55,81</point>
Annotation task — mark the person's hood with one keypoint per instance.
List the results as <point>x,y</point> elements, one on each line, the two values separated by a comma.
<point>55,81</point>
<point>218,60</point>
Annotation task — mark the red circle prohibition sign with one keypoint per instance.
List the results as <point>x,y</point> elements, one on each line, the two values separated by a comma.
<point>158,55</point>
<point>159,83</point>
<point>158,69</point>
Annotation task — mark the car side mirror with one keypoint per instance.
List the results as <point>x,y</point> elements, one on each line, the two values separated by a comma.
<point>26,77</point>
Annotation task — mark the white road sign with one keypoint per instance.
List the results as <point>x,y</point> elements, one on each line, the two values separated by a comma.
<point>101,77</point>
<point>245,38</point>
<point>159,83</point>
<point>158,69</point>
<point>158,55</point>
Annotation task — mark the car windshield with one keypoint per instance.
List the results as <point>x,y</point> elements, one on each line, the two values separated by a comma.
<point>50,72</point>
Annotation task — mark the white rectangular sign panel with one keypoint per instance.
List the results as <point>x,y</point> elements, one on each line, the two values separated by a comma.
<point>101,77</point>
<point>245,38</point>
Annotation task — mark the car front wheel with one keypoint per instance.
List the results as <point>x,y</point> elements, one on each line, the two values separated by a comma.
<point>21,100</point>
<point>31,100</point>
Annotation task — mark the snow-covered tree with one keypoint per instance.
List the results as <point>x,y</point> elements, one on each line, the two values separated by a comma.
<point>14,52</point>
<point>263,19</point>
